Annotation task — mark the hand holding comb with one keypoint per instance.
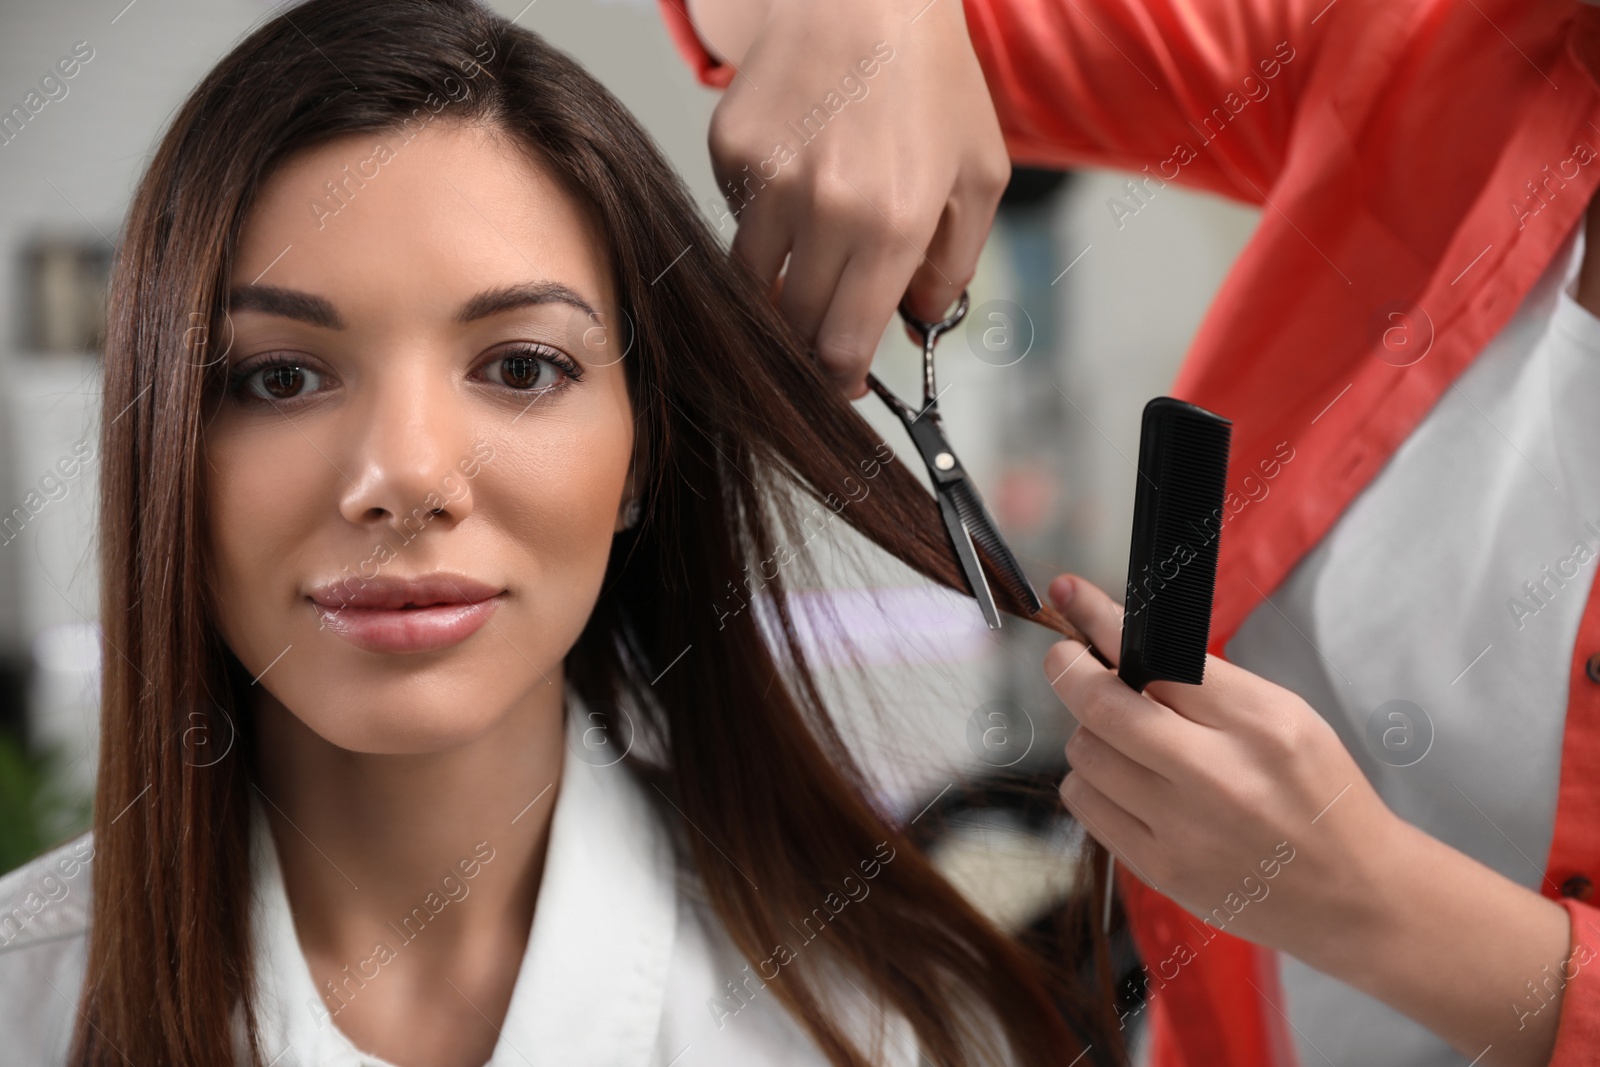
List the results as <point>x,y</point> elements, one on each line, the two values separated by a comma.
<point>1172,562</point>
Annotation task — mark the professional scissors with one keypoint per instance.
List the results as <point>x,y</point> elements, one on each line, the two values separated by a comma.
<point>966,520</point>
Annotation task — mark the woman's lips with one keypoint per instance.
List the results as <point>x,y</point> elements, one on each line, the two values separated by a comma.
<point>393,630</point>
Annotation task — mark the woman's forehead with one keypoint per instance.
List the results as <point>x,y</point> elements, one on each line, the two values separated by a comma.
<point>423,221</point>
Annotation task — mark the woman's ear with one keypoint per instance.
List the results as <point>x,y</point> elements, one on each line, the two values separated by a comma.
<point>631,509</point>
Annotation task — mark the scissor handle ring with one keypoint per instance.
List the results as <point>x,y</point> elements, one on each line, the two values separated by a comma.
<point>931,330</point>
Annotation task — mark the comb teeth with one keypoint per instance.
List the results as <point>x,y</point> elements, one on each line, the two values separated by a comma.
<point>1177,524</point>
<point>1003,565</point>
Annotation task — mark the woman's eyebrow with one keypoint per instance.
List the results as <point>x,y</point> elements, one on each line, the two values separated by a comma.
<point>505,298</point>
<point>289,303</point>
<point>318,311</point>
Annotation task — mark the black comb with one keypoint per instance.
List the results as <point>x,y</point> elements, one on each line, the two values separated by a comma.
<point>1172,562</point>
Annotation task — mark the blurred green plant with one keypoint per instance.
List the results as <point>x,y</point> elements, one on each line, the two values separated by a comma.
<point>37,810</point>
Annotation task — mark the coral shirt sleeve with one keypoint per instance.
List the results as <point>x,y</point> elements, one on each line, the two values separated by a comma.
<point>707,68</point>
<point>1202,93</point>
<point>1578,1032</point>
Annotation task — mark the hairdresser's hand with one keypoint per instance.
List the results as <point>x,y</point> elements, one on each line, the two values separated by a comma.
<point>1238,801</point>
<point>1209,792</point>
<point>890,187</point>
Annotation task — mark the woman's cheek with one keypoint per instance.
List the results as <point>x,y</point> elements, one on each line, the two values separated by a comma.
<point>260,515</point>
<point>567,486</point>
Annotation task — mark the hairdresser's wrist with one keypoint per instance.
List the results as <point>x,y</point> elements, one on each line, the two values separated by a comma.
<point>728,27</point>
<point>1349,928</point>
<point>1449,942</point>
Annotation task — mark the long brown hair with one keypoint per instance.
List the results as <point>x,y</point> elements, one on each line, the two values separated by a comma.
<point>738,432</point>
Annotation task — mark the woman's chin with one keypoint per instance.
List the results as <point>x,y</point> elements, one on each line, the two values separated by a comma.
<point>398,716</point>
<point>411,730</point>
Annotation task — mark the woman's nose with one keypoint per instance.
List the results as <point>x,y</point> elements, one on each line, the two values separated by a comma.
<point>409,439</point>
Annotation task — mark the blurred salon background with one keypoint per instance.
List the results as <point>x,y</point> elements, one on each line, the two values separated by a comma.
<point>1085,301</point>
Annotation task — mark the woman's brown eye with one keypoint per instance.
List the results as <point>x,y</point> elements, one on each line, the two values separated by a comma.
<point>530,370</point>
<point>283,382</point>
<point>523,372</point>
<point>276,382</point>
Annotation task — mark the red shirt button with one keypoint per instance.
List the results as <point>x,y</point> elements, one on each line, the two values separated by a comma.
<point>1577,887</point>
<point>1592,668</point>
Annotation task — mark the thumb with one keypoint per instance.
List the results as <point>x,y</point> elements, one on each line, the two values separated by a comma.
<point>1094,613</point>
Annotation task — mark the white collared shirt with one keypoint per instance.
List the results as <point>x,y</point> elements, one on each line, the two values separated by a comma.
<point>626,964</point>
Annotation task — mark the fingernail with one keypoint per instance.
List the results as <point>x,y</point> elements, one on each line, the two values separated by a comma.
<point>1061,591</point>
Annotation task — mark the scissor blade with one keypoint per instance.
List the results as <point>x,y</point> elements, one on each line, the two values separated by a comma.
<point>961,540</point>
<point>975,517</point>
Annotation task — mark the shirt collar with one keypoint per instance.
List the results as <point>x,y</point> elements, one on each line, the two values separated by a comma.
<point>601,941</point>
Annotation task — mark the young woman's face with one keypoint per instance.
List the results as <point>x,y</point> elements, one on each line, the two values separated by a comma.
<point>426,444</point>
